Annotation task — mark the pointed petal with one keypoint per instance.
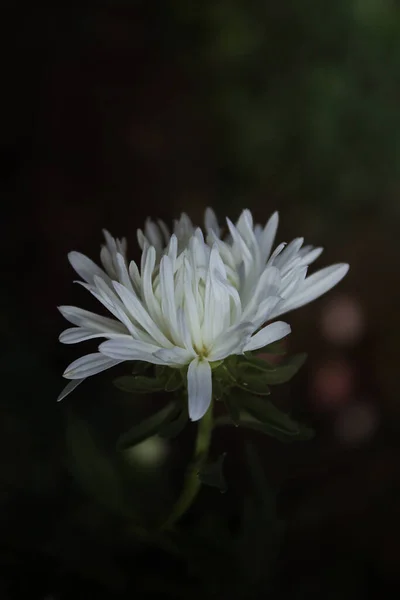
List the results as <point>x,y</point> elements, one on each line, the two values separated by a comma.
<point>140,314</point>
<point>199,388</point>
<point>268,236</point>
<point>211,221</point>
<point>175,357</point>
<point>310,256</point>
<point>69,388</point>
<point>128,349</point>
<point>313,287</point>
<point>84,318</point>
<point>88,365</point>
<point>269,334</point>
<point>231,342</point>
<point>85,267</point>
<point>75,335</point>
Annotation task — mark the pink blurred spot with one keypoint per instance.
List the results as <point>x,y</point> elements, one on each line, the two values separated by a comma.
<point>342,320</point>
<point>332,384</point>
<point>356,423</point>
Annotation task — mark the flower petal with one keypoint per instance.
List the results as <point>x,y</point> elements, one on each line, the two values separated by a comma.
<point>313,287</point>
<point>199,388</point>
<point>85,267</point>
<point>129,349</point>
<point>69,388</point>
<point>231,342</point>
<point>268,236</point>
<point>84,318</point>
<point>269,334</point>
<point>88,365</point>
<point>211,221</point>
<point>174,357</point>
<point>74,335</point>
<point>140,314</point>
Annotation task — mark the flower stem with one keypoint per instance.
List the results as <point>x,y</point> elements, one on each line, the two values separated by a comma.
<point>192,483</point>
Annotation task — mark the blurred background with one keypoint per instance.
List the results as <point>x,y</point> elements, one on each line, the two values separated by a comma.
<point>118,111</point>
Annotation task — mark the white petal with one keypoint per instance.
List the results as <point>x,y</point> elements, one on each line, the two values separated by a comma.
<point>151,303</point>
<point>69,388</point>
<point>265,309</point>
<point>290,251</point>
<point>168,300</point>
<point>74,335</point>
<point>123,273</point>
<point>153,234</point>
<point>129,349</point>
<point>293,283</point>
<point>85,267</point>
<point>199,388</point>
<point>231,342</point>
<point>140,314</point>
<point>313,287</point>
<point>269,334</point>
<point>84,318</point>
<point>164,230</point>
<point>175,357</point>
<point>211,221</point>
<point>88,365</point>
<point>310,256</point>
<point>107,262</point>
<point>268,236</point>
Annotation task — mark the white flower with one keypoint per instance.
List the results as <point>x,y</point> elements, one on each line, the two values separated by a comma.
<point>193,301</point>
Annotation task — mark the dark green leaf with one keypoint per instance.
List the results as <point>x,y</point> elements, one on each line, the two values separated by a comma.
<point>138,384</point>
<point>218,389</point>
<point>261,415</point>
<point>147,427</point>
<point>267,413</point>
<point>254,384</point>
<point>261,531</point>
<point>94,470</point>
<point>212,474</point>
<point>140,367</point>
<point>272,374</point>
<point>174,381</point>
<point>233,408</point>
<point>276,348</point>
<point>301,433</point>
<point>174,427</point>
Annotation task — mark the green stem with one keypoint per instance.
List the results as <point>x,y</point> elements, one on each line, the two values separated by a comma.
<point>192,483</point>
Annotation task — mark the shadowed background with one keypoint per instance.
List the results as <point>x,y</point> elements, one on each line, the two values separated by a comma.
<point>115,113</point>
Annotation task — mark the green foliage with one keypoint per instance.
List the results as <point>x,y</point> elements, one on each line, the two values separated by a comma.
<point>212,474</point>
<point>148,427</point>
<point>95,471</point>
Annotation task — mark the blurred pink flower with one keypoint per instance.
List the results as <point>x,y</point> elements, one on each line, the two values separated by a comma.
<point>342,320</point>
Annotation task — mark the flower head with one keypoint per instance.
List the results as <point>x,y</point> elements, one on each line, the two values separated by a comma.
<point>193,300</point>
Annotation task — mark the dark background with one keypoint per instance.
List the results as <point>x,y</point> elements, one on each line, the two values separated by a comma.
<point>115,112</point>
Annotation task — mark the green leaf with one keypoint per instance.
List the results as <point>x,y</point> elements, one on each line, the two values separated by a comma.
<point>277,348</point>
<point>174,427</point>
<point>261,530</point>
<point>218,389</point>
<point>301,433</point>
<point>272,374</point>
<point>140,367</point>
<point>233,408</point>
<point>212,474</point>
<point>268,414</point>
<point>138,384</point>
<point>254,384</point>
<point>147,427</point>
<point>174,381</point>
<point>214,365</point>
<point>95,471</point>
<point>261,415</point>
